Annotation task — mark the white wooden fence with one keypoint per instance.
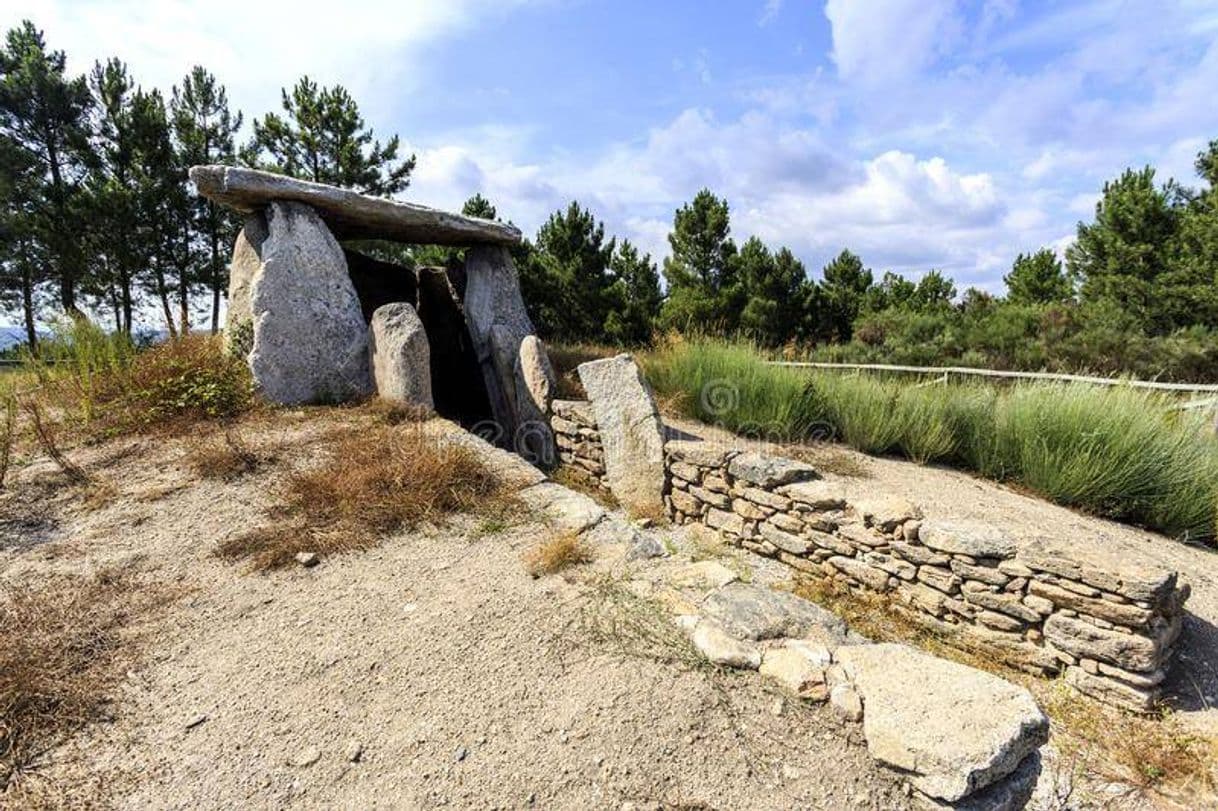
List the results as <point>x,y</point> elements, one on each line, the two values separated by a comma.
<point>944,373</point>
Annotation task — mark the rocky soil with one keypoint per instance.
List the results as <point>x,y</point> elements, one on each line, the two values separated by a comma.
<point>428,672</point>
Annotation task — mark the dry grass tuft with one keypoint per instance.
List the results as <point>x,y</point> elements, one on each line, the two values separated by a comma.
<point>394,413</point>
<point>227,458</point>
<point>64,650</point>
<point>565,360</point>
<point>375,481</point>
<point>1145,752</point>
<point>581,481</point>
<point>612,618</point>
<point>556,554</point>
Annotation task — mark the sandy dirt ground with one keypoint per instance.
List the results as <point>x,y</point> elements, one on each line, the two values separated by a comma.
<point>1192,686</point>
<point>429,672</point>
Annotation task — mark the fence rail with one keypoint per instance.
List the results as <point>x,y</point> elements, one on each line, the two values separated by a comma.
<point>965,371</point>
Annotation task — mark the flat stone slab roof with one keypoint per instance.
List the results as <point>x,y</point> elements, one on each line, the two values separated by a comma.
<point>349,214</point>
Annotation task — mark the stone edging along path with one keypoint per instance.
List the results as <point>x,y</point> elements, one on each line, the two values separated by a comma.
<point>964,740</point>
<point>1109,624</point>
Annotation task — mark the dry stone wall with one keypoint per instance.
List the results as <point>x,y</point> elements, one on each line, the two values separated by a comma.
<point>1109,625</point>
<point>578,438</point>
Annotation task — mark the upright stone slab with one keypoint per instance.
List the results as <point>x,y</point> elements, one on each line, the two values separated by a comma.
<point>400,355</point>
<point>310,342</point>
<point>631,432</point>
<point>247,260</point>
<point>535,386</point>
<point>498,323</point>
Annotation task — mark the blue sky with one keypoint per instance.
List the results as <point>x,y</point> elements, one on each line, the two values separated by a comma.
<point>919,133</point>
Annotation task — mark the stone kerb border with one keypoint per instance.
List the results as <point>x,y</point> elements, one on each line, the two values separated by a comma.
<point>1109,625</point>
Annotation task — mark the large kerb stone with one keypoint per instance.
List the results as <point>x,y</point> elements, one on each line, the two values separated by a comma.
<point>310,341</point>
<point>754,612</point>
<point>630,430</point>
<point>769,471</point>
<point>974,538</point>
<point>954,729</point>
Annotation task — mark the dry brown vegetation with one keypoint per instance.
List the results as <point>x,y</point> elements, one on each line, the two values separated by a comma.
<point>1151,754</point>
<point>65,644</point>
<point>227,457</point>
<point>829,460</point>
<point>394,413</point>
<point>374,481</point>
<point>566,358</point>
<point>581,481</point>
<point>556,554</point>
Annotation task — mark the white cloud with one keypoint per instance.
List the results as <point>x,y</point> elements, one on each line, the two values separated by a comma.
<point>890,39</point>
<point>257,47</point>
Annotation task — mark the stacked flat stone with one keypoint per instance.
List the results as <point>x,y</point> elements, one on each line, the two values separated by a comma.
<point>1108,623</point>
<point>578,438</point>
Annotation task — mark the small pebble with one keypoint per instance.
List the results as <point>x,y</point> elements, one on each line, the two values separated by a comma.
<point>462,753</point>
<point>305,757</point>
<point>306,559</point>
<point>196,720</point>
<point>355,751</point>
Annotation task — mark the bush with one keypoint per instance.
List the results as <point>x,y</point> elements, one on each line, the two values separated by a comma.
<point>103,385</point>
<point>1118,452</point>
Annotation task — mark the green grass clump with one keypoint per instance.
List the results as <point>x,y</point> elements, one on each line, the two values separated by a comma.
<point>1118,452</point>
<point>727,385</point>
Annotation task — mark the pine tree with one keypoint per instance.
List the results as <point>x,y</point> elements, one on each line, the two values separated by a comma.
<point>934,291</point>
<point>846,285</point>
<point>112,193</point>
<point>1120,257</point>
<point>479,206</point>
<point>579,257</point>
<point>771,283</point>
<point>634,297</point>
<point>204,130</point>
<point>703,293</point>
<point>893,292</point>
<point>43,112</point>
<point>322,137</point>
<point>1037,278</point>
<point>22,269</point>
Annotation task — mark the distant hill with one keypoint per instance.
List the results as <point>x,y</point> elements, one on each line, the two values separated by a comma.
<point>12,336</point>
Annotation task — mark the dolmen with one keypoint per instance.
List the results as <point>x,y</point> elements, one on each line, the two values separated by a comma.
<point>321,320</point>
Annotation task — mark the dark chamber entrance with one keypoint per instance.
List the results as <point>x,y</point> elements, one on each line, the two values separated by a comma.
<point>456,379</point>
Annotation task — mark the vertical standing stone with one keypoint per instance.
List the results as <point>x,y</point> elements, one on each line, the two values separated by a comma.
<point>401,357</point>
<point>498,323</point>
<point>535,387</point>
<point>631,432</point>
<point>310,341</point>
<point>247,260</point>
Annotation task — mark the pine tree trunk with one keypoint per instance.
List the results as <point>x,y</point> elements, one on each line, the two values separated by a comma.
<point>124,291</point>
<point>27,307</point>
<point>163,294</point>
<point>215,277</point>
<point>117,308</point>
<point>67,276</point>
<point>183,300</point>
